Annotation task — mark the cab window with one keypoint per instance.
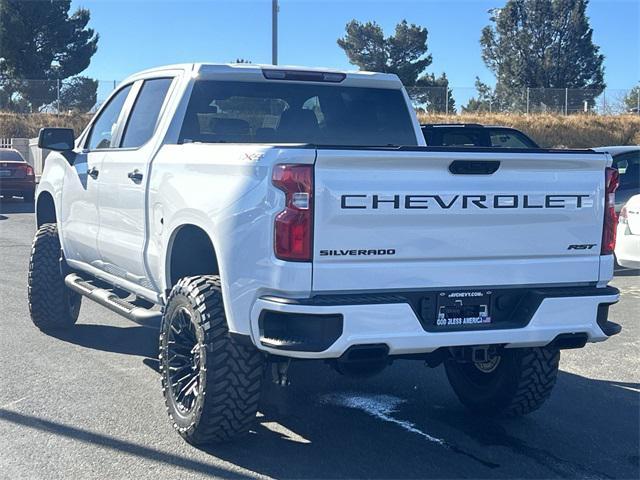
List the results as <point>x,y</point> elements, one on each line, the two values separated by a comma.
<point>104,127</point>
<point>145,112</point>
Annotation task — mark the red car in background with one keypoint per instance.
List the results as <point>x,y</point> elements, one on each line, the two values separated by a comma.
<point>17,177</point>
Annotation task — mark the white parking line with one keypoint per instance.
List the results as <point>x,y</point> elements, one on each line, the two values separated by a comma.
<point>378,406</point>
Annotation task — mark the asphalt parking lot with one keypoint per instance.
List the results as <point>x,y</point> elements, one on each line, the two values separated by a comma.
<point>87,404</point>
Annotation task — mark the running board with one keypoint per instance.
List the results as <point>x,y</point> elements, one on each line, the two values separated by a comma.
<point>107,298</point>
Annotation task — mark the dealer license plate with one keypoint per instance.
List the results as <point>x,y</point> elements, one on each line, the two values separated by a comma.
<point>463,309</point>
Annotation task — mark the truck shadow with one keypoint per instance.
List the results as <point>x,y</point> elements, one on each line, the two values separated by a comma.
<point>626,272</point>
<point>134,340</point>
<point>429,435</point>
<point>323,426</point>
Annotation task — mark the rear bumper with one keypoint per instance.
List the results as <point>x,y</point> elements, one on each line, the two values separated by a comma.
<point>627,247</point>
<point>393,320</point>
<point>17,187</point>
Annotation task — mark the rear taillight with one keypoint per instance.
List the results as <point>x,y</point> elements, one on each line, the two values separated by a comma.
<point>611,181</point>
<point>294,225</point>
<point>28,170</point>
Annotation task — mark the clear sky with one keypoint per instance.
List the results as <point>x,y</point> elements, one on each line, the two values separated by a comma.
<point>138,34</point>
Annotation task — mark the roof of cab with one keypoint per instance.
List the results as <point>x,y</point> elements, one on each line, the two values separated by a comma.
<point>239,68</point>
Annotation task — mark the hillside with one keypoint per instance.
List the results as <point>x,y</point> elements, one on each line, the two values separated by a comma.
<point>574,131</point>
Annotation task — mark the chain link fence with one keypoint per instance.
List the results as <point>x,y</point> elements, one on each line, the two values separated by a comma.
<point>559,101</point>
<point>85,95</point>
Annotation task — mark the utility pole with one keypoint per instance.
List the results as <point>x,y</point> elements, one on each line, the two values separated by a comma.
<point>274,32</point>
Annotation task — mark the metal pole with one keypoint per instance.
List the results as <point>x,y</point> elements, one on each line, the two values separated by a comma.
<point>58,89</point>
<point>604,101</point>
<point>638,105</point>
<point>527,100</point>
<point>566,101</point>
<point>274,32</point>
<point>446,98</point>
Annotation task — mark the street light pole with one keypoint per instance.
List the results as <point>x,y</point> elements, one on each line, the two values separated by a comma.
<point>274,32</point>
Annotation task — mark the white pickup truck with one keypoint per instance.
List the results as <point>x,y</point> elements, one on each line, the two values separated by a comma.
<point>262,214</point>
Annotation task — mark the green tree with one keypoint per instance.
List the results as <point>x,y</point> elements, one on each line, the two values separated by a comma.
<point>433,94</point>
<point>632,100</point>
<point>543,44</point>
<point>484,101</point>
<point>40,41</point>
<point>404,53</point>
<point>79,94</point>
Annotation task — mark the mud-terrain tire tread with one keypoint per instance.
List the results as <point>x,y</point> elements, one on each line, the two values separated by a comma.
<point>525,385</point>
<point>234,372</point>
<point>48,295</point>
<point>537,379</point>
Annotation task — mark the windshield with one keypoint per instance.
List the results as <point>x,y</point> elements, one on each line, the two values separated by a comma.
<point>269,112</point>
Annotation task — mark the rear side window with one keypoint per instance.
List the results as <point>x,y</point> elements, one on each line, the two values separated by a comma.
<point>459,138</point>
<point>509,139</point>
<point>105,125</point>
<point>145,112</point>
<point>288,112</point>
<point>628,165</point>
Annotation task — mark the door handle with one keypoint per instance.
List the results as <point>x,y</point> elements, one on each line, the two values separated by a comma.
<point>93,173</point>
<point>136,175</point>
<point>474,167</point>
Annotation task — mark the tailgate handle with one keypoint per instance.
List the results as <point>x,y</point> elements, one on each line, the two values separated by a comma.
<point>474,167</point>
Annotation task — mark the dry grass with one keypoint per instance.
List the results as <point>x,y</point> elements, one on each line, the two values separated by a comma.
<point>13,125</point>
<point>574,131</point>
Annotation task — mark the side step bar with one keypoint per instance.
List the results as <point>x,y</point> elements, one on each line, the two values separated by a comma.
<point>113,302</point>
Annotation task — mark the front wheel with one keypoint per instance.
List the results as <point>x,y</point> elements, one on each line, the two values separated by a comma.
<point>210,383</point>
<point>513,383</point>
<point>53,306</point>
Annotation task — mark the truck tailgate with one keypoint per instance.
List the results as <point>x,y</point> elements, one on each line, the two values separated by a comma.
<point>400,219</point>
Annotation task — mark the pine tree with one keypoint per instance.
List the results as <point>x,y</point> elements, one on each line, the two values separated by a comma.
<point>40,41</point>
<point>543,44</point>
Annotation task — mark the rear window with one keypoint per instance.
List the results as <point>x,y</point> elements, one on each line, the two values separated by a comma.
<point>269,112</point>
<point>10,156</point>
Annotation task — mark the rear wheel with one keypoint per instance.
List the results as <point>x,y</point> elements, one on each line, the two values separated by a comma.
<point>53,306</point>
<point>513,383</point>
<point>210,383</point>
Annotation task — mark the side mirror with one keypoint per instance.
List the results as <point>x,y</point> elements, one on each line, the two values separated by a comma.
<point>59,139</point>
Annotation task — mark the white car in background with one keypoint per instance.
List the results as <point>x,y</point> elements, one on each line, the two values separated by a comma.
<point>628,242</point>
<point>626,159</point>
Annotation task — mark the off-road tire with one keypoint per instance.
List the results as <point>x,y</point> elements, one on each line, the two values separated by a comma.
<point>230,375</point>
<point>52,305</point>
<point>521,382</point>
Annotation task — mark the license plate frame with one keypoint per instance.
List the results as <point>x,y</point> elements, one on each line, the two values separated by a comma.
<point>464,309</point>
<point>4,173</point>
